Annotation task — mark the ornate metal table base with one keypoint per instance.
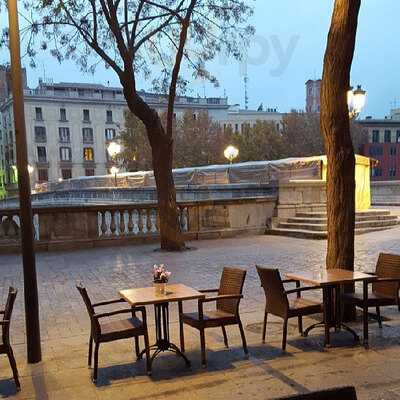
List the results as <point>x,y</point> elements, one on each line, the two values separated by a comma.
<point>161,312</point>
<point>332,315</point>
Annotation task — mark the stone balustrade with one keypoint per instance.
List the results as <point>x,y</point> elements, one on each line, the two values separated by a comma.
<point>84,226</point>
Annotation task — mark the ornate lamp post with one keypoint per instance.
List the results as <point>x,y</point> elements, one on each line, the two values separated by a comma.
<point>114,171</point>
<point>113,150</point>
<point>231,152</point>
<point>356,101</point>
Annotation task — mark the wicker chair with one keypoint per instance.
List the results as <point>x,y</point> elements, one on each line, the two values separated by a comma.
<point>278,303</point>
<point>109,331</point>
<point>5,346</point>
<point>226,312</point>
<point>345,393</point>
<point>385,289</point>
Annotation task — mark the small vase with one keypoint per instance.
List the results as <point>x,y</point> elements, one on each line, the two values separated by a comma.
<point>160,288</point>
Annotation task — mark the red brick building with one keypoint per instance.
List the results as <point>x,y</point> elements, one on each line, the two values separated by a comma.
<point>384,146</point>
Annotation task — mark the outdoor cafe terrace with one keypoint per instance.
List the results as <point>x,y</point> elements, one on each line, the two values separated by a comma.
<point>266,373</point>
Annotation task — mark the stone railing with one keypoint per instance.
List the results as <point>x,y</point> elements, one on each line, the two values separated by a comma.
<point>69,227</point>
<point>385,193</point>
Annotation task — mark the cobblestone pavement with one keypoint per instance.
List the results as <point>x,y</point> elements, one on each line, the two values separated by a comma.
<point>268,372</point>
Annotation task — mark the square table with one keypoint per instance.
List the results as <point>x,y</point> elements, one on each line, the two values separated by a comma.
<point>331,281</point>
<point>147,296</point>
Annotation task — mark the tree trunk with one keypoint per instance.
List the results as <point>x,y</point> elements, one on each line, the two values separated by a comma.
<point>335,128</point>
<point>162,152</point>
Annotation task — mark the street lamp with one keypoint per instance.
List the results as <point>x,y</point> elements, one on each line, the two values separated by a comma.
<point>114,171</point>
<point>356,101</point>
<point>114,149</point>
<point>30,169</point>
<point>231,153</point>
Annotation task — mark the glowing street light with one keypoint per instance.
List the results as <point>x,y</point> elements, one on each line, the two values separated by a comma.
<point>30,169</point>
<point>231,152</point>
<point>356,101</point>
<point>114,149</point>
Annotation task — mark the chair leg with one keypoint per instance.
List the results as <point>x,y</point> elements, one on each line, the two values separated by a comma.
<point>96,361</point>
<point>137,348</point>
<point>300,324</point>
<point>203,348</point>
<point>378,316</point>
<point>147,347</point>
<point>90,351</point>
<point>284,334</point>
<point>246,351</point>
<point>264,327</point>
<point>225,336</point>
<point>13,365</point>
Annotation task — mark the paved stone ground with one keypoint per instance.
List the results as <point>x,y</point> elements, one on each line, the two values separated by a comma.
<point>268,373</point>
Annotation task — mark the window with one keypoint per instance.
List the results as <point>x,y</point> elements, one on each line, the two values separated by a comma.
<point>38,114</point>
<point>376,171</point>
<point>375,136</point>
<point>66,173</point>
<point>397,136</point>
<point>65,154</point>
<point>86,116</point>
<point>392,172</point>
<point>388,136</point>
<point>87,135</point>
<point>40,134</point>
<point>41,153</point>
<point>109,116</point>
<point>63,134</point>
<point>393,151</point>
<point>110,134</point>
<point>375,151</point>
<point>43,175</point>
<point>89,172</point>
<point>63,115</point>
<point>88,154</point>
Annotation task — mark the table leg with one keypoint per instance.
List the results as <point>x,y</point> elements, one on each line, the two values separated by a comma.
<point>161,314</point>
<point>327,299</point>
<point>181,333</point>
<point>365,313</point>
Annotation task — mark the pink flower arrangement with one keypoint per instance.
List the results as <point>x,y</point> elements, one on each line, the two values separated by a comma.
<point>160,273</point>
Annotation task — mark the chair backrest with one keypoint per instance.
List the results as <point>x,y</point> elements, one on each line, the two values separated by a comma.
<point>8,309</point>
<point>387,266</point>
<point>345,393</point>
<point>276,300</point>
<point>93,321</point>
<point>232,281</point>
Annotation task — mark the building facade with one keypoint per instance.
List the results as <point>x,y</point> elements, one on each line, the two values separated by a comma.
<point>384,146</point>
<point>69,126</point>
<point>237,119</point>
<point>313,95</point>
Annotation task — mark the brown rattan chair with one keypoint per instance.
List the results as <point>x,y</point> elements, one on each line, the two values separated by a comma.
<point>278,303</point>
<point>226,312</point>
<point>103,331</point>
<point>385,289</point>
<point>5,346</point>
<point>345,393</point>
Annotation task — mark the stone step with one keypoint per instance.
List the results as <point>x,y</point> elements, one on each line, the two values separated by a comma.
<point>319,214</point>
<point>307,234</point>
<point>359,218</point>
<point>322,226</point>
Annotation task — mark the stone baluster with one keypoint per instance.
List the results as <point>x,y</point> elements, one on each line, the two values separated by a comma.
<point>140,221</point>
<point>113,225</point>
<point>131,225</point>
<point>157,220</point>
<point>149,224</point>
<point>122,222</point>
<point>103,226</point>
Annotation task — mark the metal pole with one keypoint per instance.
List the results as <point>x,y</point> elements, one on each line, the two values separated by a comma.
<point>27,233</point>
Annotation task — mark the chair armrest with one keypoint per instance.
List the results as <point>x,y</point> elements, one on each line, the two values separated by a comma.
<point>208,290</point>
<point>142,310</point>
<point>385,280</point>
<point>290,281</point>
<point>302,289</point>
<point>105,303</point>
<point>111,313</point>
<point>5,322</point>
<point>221,297</point>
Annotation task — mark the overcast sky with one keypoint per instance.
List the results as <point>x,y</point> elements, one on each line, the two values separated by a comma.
<point>287,51</point>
